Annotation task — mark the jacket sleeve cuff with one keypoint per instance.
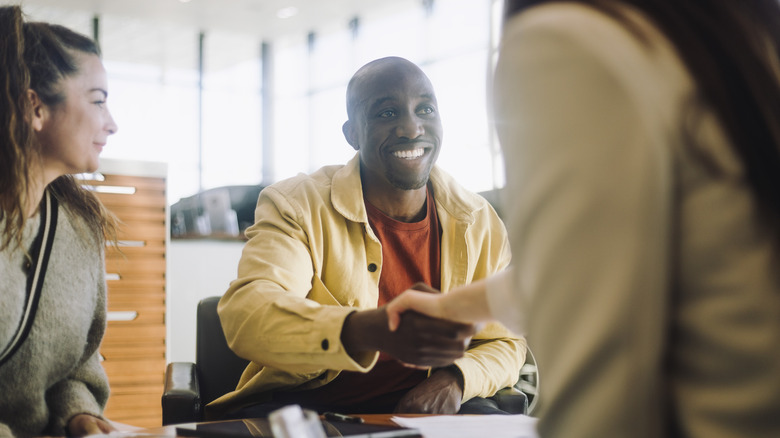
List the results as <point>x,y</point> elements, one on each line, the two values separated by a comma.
<point>362,362</point>
<point>492,362</point>
<point>307,351</point>
<point>470,388</point>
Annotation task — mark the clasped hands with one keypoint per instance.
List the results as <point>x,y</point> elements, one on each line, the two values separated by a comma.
<point>418,341</point>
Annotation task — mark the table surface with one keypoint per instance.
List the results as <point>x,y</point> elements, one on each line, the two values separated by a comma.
<point>380,419</point>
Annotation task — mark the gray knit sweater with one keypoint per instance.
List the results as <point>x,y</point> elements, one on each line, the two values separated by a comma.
<point>56,373</point>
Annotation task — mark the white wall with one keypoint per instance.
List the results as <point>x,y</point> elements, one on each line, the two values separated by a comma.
<point>196,269</point>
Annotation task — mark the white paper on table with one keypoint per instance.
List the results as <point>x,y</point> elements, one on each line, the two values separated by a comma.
<point>472,426</point>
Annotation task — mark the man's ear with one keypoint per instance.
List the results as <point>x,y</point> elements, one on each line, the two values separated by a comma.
<point>349,134</point>
<point>38,111</point>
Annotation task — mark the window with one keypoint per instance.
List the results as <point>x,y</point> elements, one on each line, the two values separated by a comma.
<point>156,96</point>
<point>232,111</point>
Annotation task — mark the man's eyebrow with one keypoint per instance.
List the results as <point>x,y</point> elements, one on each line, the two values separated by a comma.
<point>380,101</point>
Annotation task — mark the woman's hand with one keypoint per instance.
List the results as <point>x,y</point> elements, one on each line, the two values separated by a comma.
<point>466,304</point>
<point>427,302</point>
<point>84,424</point>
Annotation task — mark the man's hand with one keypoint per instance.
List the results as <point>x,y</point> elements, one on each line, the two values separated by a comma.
<point>439,394</point>
<point>84,424</point>
<point>419,340</point>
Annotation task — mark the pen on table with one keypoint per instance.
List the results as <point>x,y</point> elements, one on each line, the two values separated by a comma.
<point>333,416</point>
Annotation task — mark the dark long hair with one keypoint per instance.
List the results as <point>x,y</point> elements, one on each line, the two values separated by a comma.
<point>36,56</point>
<point>732,50</point>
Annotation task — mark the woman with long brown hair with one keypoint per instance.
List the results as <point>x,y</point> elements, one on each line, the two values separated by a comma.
<point>52,231</point>
<point>642,148</point>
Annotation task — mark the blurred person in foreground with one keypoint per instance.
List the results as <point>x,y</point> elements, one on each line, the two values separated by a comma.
<point>52,231</point>
<point>642,148</point>
<point>328,249</point>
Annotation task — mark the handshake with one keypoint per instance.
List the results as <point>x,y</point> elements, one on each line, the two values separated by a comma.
<point>411,329</point>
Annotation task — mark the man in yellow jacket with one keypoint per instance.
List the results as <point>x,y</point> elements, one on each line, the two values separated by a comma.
<point>327,250</point>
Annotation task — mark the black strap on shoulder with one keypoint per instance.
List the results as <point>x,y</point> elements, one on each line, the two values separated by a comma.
<point>39,254</point>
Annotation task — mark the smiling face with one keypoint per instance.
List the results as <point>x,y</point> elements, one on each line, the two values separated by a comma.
<point>72,133</point>
<point>394,124</point>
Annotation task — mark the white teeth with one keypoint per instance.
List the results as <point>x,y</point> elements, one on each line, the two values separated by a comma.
<point>410,155</point>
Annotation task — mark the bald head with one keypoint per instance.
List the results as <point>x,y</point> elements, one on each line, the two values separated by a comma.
<point>386,72</point>
<point>394,123</point>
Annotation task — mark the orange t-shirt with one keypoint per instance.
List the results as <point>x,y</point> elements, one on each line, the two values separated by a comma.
<point>410,253</point>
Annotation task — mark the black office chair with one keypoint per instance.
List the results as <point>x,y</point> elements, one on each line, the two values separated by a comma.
<point>216,371</point>
<point>191,386</point>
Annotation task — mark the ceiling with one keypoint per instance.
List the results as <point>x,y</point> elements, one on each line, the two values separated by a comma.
<point>250,17</point>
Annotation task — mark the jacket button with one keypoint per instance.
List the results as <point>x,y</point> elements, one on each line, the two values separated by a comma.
<point>372,267</point>
<point>325,344</point>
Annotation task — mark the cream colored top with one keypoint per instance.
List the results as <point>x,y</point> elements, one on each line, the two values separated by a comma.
<point>651,295</point>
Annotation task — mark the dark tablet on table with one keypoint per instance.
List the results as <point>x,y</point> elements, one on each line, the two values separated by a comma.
<point>261,427</point>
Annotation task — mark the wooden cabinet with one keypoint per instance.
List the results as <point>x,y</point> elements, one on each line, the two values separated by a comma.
<point>133,348</point>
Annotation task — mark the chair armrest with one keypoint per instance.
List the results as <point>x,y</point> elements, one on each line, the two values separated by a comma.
<point>511,400</point>
<point>181,402</point>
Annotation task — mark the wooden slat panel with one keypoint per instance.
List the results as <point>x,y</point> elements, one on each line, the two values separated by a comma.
<point>138,402</point>
<point>135,390</point>
<point>138,332</point>
<point>129,181</point>
<point>131,404</point>
<point>125,210</point>
<point>136,255</point>
<point>145,268</point>
<point>132,225</point>
<point>137,405</point>
<point>158,305</point>
<point>127,273</point>
<point>140,200</point>
<point>153,249</point>
<point>154,317</point>
<point>130,254</point>
<point>120,380</point>
<point>132,351</point>
<point>124,245</point>
<point>132,301</point>
<point>122,374</point>
<point>138,286</point>
<point>142,231</point>
<point>152,370</point>
<point>138,283</point>
<point>129,215</point>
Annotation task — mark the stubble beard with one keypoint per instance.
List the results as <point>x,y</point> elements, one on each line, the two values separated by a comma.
<point>409,185</point>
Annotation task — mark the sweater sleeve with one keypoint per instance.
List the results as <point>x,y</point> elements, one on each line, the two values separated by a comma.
<point>85,390</point>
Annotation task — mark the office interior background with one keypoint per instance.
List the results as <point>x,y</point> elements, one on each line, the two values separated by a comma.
<point>248,92</point>
<point>234,92</point>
